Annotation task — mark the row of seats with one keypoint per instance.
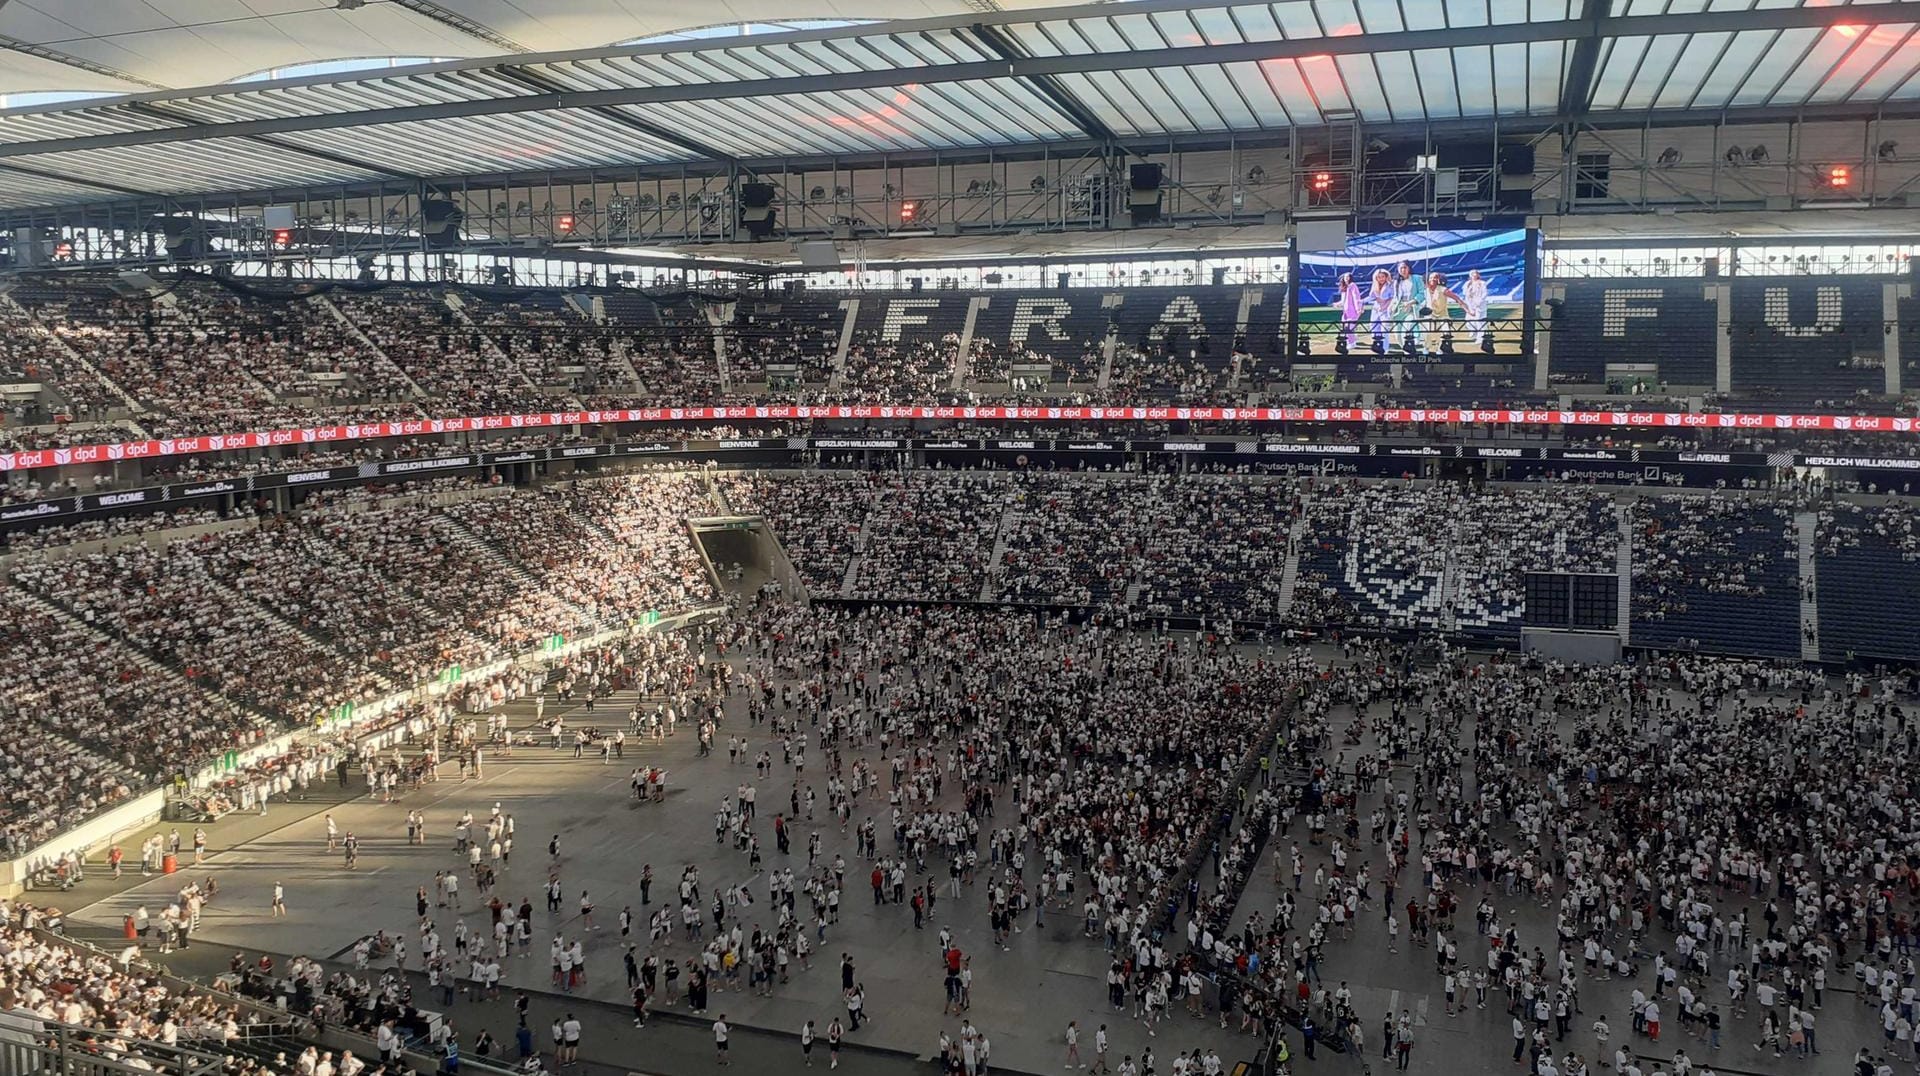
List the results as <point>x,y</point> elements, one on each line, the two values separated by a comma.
<point>260,626</point>
<point>199,358</point>
<point>92,688</point>
<point>1207,546</point>
<point>1716,572</point>
<point>1867,574</point>
<point>919,534</point>
<point>133,663</point>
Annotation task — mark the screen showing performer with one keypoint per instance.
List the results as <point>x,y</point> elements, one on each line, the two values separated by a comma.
<point>1415,295</point>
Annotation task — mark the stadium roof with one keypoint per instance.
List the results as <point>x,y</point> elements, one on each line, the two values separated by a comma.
<point>1151,71</point>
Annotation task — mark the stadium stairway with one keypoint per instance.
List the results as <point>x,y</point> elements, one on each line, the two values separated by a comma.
<point>213,329</point>
<point>838,376</point>
<point>322,642</point>
<point>134,406</point>
<point>141,657</point>
<point>850,581</point>
<point>359,335</point>
<point>488,549</point>
<point>487,343</point>
<point>592,526</point>
<point>1803,529</point>
<point>719,331</point>
<point>990,584</point>
<point>963,358</point>
<point>1450,584</point>
<point>1623,567</point>
<point>1290,575</point>
<point>620,349</point>
<point>500,555</point>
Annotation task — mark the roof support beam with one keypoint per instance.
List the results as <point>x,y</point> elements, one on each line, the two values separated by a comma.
<point>445,17</point>
<point>163,113</point>
<point>1046,86</point>
<point>55,177</point>
<point>1576,93</point>
<point>14,44</point>
<point>241,196</point>
<point>1024,68</point>
<point>1027,68</point>
<point>534,80</point>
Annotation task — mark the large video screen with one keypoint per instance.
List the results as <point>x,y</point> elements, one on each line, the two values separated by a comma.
<point>1415,295</point>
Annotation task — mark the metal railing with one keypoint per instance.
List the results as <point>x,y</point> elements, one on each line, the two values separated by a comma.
<point>31,1046</point>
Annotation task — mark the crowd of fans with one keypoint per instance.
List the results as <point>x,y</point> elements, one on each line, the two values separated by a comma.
<point>1755,820</point>
<point>1385,547</point>
<point>157,354</point>
<point>200,357</point>
<point>168,602</point>
<point>1077,367</point>
<point>1684,547</point>
<point>447,358</point>
<point>1759,899</point>
<point>928,534</point>
<point>17,437</point>
<point>1212,547</point>
<point>134,662</point>
<point>1243,524</point>
<point>80,686</point>
<point>902,371</point>
<point>32,353</point>
<point>1126,750</point>
<point>1864,556</point>
<point>610,548</point>
<point>1569,841</point>
<point>1506,533</point>
<point>677,367</point>
<point>303,567</point>
<point>818,517</point>
<point>1159,375</point>
<point>1066,544</point>
<point>1889,526</point>
<point>126,1015</point>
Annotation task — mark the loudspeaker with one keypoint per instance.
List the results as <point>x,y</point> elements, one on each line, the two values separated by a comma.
<point>440,222</point>
<point>817,253</point>
<point>133,282</point>
<point>756,209</point>
<point>1514,198</point>
<point>1219,275</point>
<point>1060,279</point>
<point>186,238</point>
<point>1143,193</point>
<point>1516,159</point>
<point>916,283</point>
<point>1320,234</point>
<point>1710,266</point>
<point>30,248</point>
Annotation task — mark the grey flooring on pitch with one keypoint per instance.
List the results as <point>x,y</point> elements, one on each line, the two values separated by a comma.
<point>1023,996</point>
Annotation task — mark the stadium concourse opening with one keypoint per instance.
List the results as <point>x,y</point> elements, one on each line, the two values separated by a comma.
<point>1115,537</point>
